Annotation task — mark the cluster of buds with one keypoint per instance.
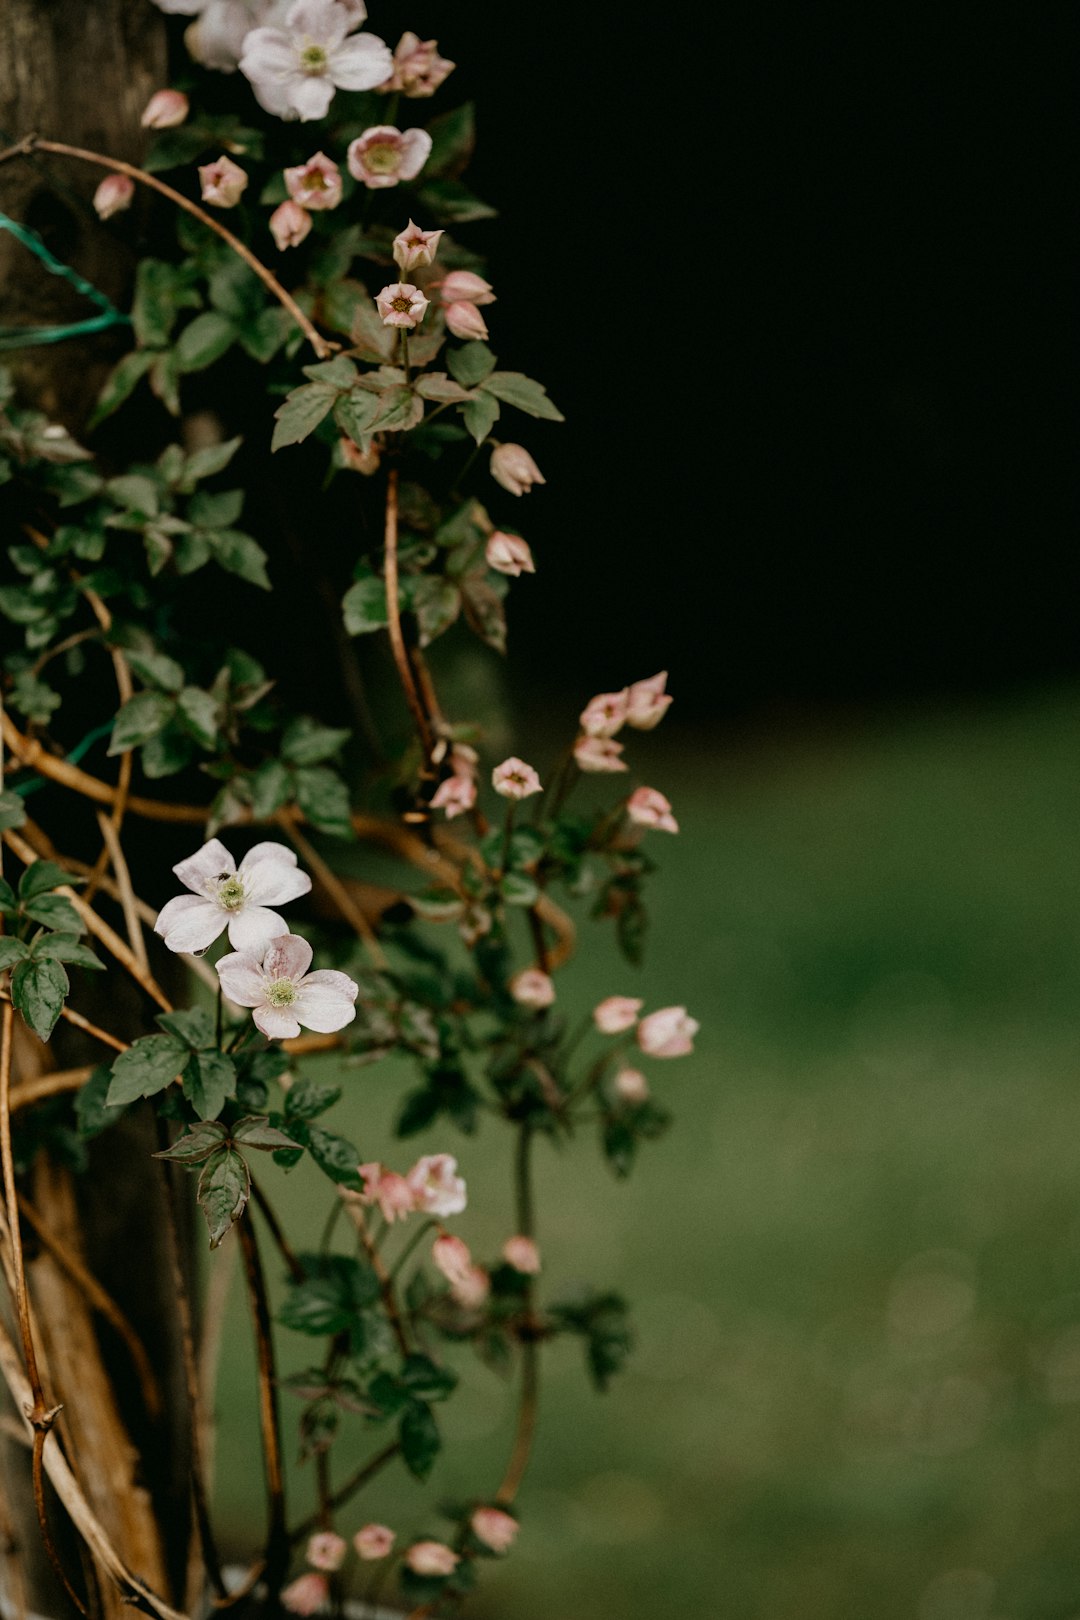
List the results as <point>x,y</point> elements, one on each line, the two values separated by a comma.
<point>642,706</point>
<point>431,1187</point>
<point>462,293</point>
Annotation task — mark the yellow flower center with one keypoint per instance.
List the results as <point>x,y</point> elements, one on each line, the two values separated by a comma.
<point>313,59</point>
<point>230,894</point>
<point>280,993</point>
<point>382,159</point>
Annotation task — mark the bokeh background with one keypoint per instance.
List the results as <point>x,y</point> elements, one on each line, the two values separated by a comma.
<point>791,274</point>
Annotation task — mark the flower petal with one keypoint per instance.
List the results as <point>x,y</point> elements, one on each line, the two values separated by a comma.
<point>271,875</point>
<point>289,957</point>
<point>326,1001</point>
<point>189,923</point>
<point>201,868</point>
<point>268,54</point>
<point>415,148</point>
<point>361,63</point>
<point>277,1023</point>
<point>310,97</point>
<point>242,980</point>
<point>253,928</point>
<point>321,20</point>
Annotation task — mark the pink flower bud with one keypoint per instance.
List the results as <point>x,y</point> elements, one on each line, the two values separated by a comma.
<point>414,248</point>
<point>513,779</point>
<point>401,304</point>
<point>630,1086</point>
<point>466,321</point>
<point>431,1558</point>
<point>418,68</point>
<point>374,1541</point>
<point>471,1290</point>
<point>289,224</point>
<point>603,716</point>
<point>383,155</point>
<point>464,759</point>
<point>390,1191</point>
<point>316,184</point>
<point>223,182</point>
<point>115,193</point>
<point>522,1254</point>
<point>451,1256</point>
<point>307,1594</point>
<point>357,460</point>
<point>668,1033</point>
<point>463,287</point>
<point>326,1550</point>
<point>532,988</point>
<point>649,808</point>
<point>455,795</point>
<point>514,468</point>
<point>437,1188</point>
<point>509,554</point>
<point>648,702</point>
<point>599,754</point>
<point>616,1014</point>
<point>494,1528</point>
<point>165,109</point>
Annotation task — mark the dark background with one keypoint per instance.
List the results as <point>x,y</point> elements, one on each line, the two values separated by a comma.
<point>795,275</point>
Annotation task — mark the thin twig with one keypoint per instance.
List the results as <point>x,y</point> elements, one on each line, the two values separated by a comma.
<point>393,609</point>
<point>265,1208</point>
<point>355,1212</point>
<point>344,1493</point>
<point>335,888</point>
<point>530,1349</point>
<point>277,1536</point>
<point>123,883</point>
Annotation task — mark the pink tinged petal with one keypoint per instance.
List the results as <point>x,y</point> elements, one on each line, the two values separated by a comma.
<point>253,928</point>
<point>288,957</point>
<point>271,875</point>
<point>310,97</point>
<point>415,150</point>
<point>326,1001</point>
<point>361,63</point>
<point>242,979</point>
<point>268,54</point>
<point>322,20</point>
<point>190,923</point>
<point>212,861</point>
<point>276,1023</point>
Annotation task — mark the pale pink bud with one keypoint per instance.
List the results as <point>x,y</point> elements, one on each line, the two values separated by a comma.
<point>630,1086</point>
<point>223,182</point>
<point>513,779</point>
<point>452,1257</point>
<point>383,155</point>
<point>668,1033</point>
<point>648,702</point>
<point>464,759</point>
<point>604,715</point>
<point>374,1541</point>
<point>414,248</point>
<point>616,1014</point>
<point>316,184</point>
<point>514,468</point>
<point>509,554</point>
<point>471,1290</point>
<point>455,795</point>
<point>599,754</point>
<point>165,109</point>
<point>307,1594</point>
<point>463,287</point>
<point>357,460</point>
<point>115,193</point>
<point>418,68</point>
<point>390,1191</point>
<point>289,224</point>
<point>532,988</point>
<point>649,808</point>
<point>436,1187</point>
<point>466,321</point>
<point>431,1558</point>
<point>521,1253</point>
<point>401,304</point>
<point>494,1528</point>
<point>326,1550</point>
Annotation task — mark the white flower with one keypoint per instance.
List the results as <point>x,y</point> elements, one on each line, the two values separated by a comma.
<point>295,70</point>
<point>283,994</point>
<point>222,897</point>
<point>436,1185</point>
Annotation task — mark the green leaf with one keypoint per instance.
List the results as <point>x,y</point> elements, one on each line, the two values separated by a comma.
<point>213,458</point>
<point>438,386</point>
<point>91,1113</point>
<point>239,554</point>
<point>338,372</point>
<point>317,1306</point>
<point>11,951</point>
<point>200,713</point>
<point>470,364</point>
<point>256,1131</point>
<point>197,1144</point>
<point>209,1082</point>
<point>336,1157</point>
<point>38,989</point>
<point>66,948</point>
<point>513,388</point>
<point>42,876</point>
<point>428,1381</point>
<point>374,341</point>
<point>193,1025</point>
<point>364,606</point>
<point>141,718</point>
<point>306,742</point>
<point>12,810</point>
<point>121,383</point>
<point>146,1068</point>
<point>204,341</point>
<point>355,412</point>
<point>480,416</point>
<point>155,669</point>
<point>436,603</point>
<point>270,787</point>
<point>324,799</point>
<point>218,509</point>
<point>453,139</point>
<point>224,1189</point>
<point>519,890</point>
<point>419,1436</point>
<point>484,611</point>
<point>161,291</point>
<point>301,413</point>
<point>306,1099</point>
<point>167,753</point>
<point>452,202</point>
<point>54,911</point>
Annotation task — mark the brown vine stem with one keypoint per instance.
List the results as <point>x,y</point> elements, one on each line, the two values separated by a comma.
<point>277,1535</point>
<point>393,609</point>
<point>530,1349</point>
<point>335,888</point>
<point>35,143</point>
<point>274,1227</point>
<point>348,1490</point>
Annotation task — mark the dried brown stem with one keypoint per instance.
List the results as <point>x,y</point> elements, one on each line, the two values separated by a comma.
<point>123,883</point>
<point>530,1349</point>
<point>284,1248</point>
<point>277,1537</point>
<point>393,608</point>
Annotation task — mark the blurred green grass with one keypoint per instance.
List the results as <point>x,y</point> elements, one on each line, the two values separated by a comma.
<point>855,1260</point>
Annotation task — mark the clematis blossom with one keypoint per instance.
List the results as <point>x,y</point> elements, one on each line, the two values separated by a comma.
<point>414,248</point>
<point>667,1033</point>
<point>494,1528</point>
<point>226,896</point>
<point>605,714</point>
<point>455,795</point>
<point>521,1253</point>
<point>401,304</point>
<point>296,69</point>
<point>465,321</point>
<point>283,994</point>
<point>513,779</point>
<point>390,1191</point>
<point>223,182</point>
<point>630,1086</point>
<point>316,184</point>
<point>532,987</point>
<point>289,224</point>
<point>513,467</point>
<point>599,754</point>
<point>648,702</point>
<point>418,68</point>
<point>115,193</point>
<point>451,1256</point>
<point>647,807</point>
<point>616,1014</point>
<point>472,1289</point>
<point>431,1558</point>
<point>464,287</point>
<point>165,110</point>
<point>374,1541</point>
<point>326,1550</point>
<point>509,554</point>
<point>307,1594</point>
<point>436,1186</point>
<point>382,156</point>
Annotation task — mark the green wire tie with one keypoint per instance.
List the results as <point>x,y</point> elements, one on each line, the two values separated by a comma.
<point>24,789</point>
<point>24,337</point>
